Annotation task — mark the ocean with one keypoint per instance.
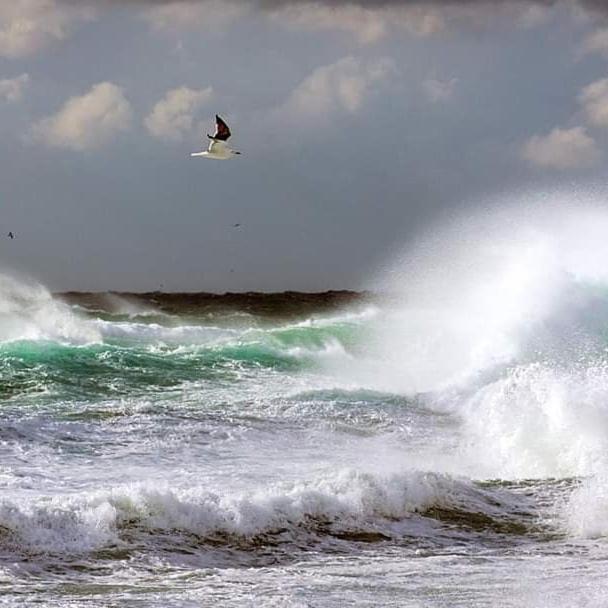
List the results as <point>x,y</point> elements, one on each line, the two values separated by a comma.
<point>440,440</point>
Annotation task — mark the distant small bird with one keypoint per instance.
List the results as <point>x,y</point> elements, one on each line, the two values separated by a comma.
<point>217,146</point>
<point>235,225</point>
<point>11,235</point>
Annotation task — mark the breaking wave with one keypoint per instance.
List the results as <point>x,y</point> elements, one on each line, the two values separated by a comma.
<point>501,319</point>
<point>348,505</point>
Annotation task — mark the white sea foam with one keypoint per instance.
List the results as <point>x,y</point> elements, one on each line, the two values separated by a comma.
<point>154,333</point>
<point>184,339</point>
<point>538,421</point>
<point>327,352</point>
<point>346,316</point>
<point>28,311</point>
<point>586,513</point>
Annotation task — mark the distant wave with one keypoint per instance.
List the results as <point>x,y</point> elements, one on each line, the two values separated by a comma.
<point>129,355</point>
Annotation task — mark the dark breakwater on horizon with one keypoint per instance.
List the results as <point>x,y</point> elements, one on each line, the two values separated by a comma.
<point>277,304</point>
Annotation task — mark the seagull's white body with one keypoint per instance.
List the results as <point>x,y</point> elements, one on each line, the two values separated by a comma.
<point>218,149</point>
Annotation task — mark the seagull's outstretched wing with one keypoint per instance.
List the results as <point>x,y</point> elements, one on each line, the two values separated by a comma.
<point>222,132</point>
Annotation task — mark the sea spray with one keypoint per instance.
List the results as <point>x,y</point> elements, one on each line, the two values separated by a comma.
<point>500,318</point>
<point>28,311</point>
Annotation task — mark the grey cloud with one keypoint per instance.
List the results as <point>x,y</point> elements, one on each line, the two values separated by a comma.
<point>595,7</point>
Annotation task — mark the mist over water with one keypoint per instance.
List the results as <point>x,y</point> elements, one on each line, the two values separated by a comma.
<point>444,439</point>
<point>501,317</point>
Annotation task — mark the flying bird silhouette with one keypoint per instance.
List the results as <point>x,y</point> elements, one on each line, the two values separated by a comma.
<point>218,149</point>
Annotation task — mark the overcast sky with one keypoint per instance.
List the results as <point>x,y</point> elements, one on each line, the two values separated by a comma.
<point>360,124</point>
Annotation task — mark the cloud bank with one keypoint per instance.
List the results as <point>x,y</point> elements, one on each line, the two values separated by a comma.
<point>270,4</point>
<point>173,116</point>
<point>27,26</point>
<point>88,121</point>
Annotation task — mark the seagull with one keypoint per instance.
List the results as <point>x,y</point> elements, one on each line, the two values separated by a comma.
<point>217,146</point>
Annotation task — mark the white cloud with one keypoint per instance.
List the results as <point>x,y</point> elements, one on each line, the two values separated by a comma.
<point>562,149</point>
<point>596,42</point>
<point>11,89</point>
<point>341,86</point>
<point>594,99</point>
<point>173,116</point>
<point>184,15</point>
<point>88,121</point>
<point>439,90</point>
<point>26,26</point>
